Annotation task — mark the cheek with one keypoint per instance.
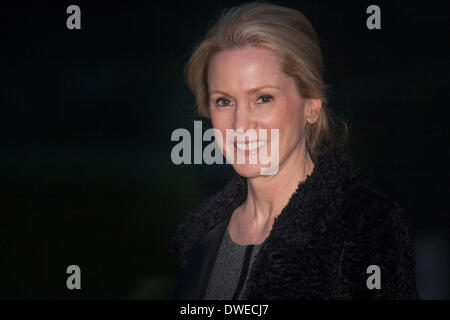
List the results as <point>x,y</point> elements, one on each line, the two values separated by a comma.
<point>290,121</point>
<point>282,118</point>
<point>219,121</point>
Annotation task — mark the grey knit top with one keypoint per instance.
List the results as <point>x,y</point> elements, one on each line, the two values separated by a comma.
<point>231,270</point>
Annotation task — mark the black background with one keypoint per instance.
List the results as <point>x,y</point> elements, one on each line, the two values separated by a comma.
<point>86,118</point>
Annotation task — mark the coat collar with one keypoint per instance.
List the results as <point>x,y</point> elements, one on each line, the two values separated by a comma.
<point>324,190</point>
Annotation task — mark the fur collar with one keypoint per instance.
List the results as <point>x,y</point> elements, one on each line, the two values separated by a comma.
<point>329,185</point>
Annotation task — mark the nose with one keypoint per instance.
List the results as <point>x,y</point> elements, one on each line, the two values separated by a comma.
<point>243,118</point>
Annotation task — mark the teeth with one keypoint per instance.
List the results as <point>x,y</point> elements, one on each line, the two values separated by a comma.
<point>251,145</point>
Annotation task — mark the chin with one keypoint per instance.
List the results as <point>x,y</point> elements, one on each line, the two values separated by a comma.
<point>248,170</point>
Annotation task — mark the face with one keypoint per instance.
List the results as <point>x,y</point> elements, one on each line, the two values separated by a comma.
<point>248,90</point>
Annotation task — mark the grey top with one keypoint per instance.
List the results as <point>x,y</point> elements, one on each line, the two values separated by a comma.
<point>229,267</point>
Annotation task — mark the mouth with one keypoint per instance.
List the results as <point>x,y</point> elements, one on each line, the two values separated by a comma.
<point>249,146</point>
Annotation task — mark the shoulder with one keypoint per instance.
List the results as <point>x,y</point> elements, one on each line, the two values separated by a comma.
<point>372,212</point>
<point>191,226</point>
<point>205,216</point>
<point>378,235</point>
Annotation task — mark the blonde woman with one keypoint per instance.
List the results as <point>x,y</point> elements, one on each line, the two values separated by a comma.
<point>313,229</point>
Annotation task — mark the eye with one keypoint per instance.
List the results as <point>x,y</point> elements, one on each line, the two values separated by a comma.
<point>223,102</point>
<point>265,99</point>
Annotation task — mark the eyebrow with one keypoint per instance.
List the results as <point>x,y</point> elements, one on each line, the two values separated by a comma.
<point>253,90</point>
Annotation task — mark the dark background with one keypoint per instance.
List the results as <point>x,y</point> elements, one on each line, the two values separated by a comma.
<point>86,117</point>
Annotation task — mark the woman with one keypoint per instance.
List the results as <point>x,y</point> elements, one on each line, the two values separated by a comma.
<point>313,229</point>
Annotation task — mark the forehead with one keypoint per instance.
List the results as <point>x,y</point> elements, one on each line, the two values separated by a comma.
<point>249,66</point>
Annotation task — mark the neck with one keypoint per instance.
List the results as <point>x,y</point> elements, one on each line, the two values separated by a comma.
<point>268,195</point>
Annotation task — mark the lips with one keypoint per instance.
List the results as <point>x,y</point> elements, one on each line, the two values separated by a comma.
<point>250,146</point>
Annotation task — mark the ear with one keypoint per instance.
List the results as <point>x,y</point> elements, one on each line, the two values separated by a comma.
<point>312,110</point>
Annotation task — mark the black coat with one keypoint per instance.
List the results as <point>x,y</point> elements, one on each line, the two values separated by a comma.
<point>333,227</point>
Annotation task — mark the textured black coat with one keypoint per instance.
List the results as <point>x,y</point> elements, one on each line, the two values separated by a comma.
<point>333,227</point>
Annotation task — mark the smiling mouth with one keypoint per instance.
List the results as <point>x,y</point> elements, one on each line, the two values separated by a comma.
<point>250,146</point>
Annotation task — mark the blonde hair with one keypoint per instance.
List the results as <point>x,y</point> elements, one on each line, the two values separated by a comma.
<point>284,31</point>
